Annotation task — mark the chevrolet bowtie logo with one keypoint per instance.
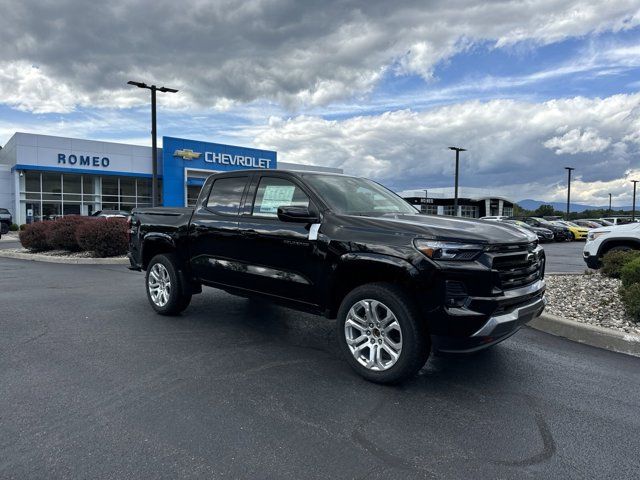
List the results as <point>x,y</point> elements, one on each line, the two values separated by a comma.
<point>187,154</point>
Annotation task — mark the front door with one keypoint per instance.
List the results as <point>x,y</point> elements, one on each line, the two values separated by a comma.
<point>281,258</point>
<point>213,233</point>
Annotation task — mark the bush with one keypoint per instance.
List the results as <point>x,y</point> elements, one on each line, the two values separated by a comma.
<point>613,262</point>
<point>34,236</point>
<point>104,237</point>
<point>13,227</point>
<point>630,297</point>
<point>23,226</point>
<point>630,272</point>
<point>62,233</point>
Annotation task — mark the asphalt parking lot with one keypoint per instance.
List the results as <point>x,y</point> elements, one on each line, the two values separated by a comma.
<point>564,257</point>
<point>95,385</point>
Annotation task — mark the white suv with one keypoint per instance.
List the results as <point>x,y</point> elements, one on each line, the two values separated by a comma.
<point>607,239</point>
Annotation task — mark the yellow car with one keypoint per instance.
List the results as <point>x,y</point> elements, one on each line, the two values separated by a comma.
<point>577,232</point>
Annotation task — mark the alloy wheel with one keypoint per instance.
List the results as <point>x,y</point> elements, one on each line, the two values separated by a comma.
<point>159,285</point>
<point>373,335</point>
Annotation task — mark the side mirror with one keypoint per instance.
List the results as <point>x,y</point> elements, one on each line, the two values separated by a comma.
<point>296,215</point>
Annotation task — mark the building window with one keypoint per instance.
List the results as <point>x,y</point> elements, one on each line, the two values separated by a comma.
<point>507,211</point>
<point>469,211</point>
<point>47,195</point>
<point>448,210</point>
<point>430,209</point>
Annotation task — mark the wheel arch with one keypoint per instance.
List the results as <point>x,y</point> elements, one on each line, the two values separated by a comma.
<point>618,242</point>
<point>154,244</point>
<point>356,269</point>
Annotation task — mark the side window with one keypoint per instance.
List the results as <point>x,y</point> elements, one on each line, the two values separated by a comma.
<point>226,194</point>
<point>277,192</point>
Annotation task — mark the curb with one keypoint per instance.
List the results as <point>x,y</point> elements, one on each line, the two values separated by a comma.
<point>35,257</point>
<point>587,334</point>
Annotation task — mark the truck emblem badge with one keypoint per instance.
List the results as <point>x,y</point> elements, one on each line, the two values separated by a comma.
<point>187,154</point>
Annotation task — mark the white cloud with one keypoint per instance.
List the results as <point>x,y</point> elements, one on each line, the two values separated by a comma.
<point>578,141</point>
<point>293,53</point>
<point>505,140</point>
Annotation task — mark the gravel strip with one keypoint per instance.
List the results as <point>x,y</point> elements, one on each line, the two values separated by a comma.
<point>589,299</point>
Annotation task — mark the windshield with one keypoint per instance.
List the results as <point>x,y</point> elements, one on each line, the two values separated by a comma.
<point>358,196</point>
<point>543,221</point>
<point>519,223</point>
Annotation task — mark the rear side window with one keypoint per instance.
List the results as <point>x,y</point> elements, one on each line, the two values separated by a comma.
<point>4,210</point>
<point>226,194</point>
<point>276,192</point>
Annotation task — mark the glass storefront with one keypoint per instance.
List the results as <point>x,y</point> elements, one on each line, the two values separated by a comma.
<point>49,195</point>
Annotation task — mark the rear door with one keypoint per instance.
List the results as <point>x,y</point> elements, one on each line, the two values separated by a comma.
<point>213,232</point>
<point>282,258</point>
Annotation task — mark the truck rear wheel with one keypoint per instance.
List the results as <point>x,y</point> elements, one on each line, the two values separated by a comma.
<point>381,334</point>
<point>165,290</point>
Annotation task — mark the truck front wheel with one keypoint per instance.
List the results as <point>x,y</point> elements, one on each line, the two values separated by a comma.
<point>381,334</point>
<point>165,290</point>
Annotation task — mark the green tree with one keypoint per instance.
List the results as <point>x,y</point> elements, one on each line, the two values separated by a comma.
<point>545,210</point>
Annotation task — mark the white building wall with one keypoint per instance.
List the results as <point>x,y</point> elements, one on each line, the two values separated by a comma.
<point>6,189</point>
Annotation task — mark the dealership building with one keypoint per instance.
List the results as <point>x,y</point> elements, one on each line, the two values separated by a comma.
<point>472,202</point>
<point>44,177</point>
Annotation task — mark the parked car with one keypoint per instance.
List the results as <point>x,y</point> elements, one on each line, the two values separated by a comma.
<point>560,232</point>
<point>111,214</point>
<point>543,234</point>
<point>400,283</point>
<point>576,232</point>
<point>494,217</point>
<point>6,219</point>
<point>602,221</point>
<point>587,223</point>
<point>610,239</point>
<point>619,220</point>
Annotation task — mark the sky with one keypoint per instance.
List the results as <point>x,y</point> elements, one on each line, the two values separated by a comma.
<point>377,88</point>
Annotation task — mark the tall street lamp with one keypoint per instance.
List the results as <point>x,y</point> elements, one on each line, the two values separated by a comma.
<point>154,141</point>
<point>455,200</point>
<point>633,208</point>
<point>569,170</point>
<point>609,204</point>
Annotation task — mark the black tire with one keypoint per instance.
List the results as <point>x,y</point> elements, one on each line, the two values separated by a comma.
<point>4,228</point>
<point>178,297</point>
<point>416,344</point>
<point>572,237</point>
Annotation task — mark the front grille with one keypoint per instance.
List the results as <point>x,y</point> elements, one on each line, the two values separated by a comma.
<point>518,268</point>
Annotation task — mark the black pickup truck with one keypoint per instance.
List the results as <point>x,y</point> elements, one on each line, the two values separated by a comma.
<point>401,284</point>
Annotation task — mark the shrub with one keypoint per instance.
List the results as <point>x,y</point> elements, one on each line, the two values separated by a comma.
<point>104,237</point>
<point>613,262</point>
<point>62,233</point>
<point>630,272</point>
<point>23,226</point>
<point>630,297</point>
<point>34,236</point>
<point>13,227</point>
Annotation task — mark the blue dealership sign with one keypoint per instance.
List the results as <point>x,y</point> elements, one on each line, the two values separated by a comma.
<point>180,155</point>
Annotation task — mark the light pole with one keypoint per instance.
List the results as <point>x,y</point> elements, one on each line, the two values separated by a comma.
<point>455,199</point>
<point>633,208</point>
<point>426,199</point>
<point>609,204</point>
<point>154,141</point>
<point>569,170</point>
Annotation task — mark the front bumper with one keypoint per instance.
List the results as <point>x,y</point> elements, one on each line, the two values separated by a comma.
<point>497,327</point>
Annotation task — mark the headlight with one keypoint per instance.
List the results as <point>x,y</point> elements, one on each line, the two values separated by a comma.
<point>593,235</point>
<point>437,250</point>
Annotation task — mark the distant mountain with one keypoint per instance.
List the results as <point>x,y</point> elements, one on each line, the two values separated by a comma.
<point>530,204</point>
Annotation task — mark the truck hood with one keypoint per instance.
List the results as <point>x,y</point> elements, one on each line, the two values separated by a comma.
<point>628,227</point>
<point>442,228</point>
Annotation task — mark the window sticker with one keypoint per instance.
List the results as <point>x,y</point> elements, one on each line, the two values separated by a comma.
<point>275,196</point>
